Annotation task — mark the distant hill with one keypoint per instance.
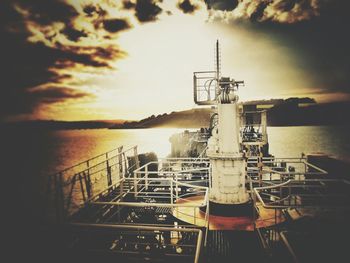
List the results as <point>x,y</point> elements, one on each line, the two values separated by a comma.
<point>274,102</point>
<point>192,118</point>
<point>289,112</point>
<point>200,117</point>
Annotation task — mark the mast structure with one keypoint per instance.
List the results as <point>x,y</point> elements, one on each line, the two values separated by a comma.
<point>217,54</point>
<point>227,184</point>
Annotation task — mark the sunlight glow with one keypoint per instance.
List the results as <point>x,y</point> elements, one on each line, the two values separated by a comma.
<point>156,74</point>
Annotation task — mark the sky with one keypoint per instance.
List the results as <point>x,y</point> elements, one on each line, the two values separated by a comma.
<point>110,59</point>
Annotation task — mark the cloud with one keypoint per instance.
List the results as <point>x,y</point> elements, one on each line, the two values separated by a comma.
<point>92,10</point>
<point>45,12</point>
<point>319,45</point>
<point>223,5</point>
<point>46,44</point>
<point>53,94</point>
<point>281,11</point>
<point>259,12</point>
<point>145,10</point>
<point>72,33</point>
<point>43,42</point>
<point>187,6</point>
<point>128,5</point>
<point>116,25</point>
<point>37,98</point>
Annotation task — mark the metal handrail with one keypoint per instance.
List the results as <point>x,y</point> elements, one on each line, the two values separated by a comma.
<point>95,157</point>
<point>151,228</point>
<point>289,247</point>
<point>291,184</point>
<point>69,191</point>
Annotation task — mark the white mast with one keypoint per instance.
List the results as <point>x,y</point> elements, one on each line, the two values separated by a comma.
<point>224,151</point>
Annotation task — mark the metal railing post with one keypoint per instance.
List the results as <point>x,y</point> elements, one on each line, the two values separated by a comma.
<point>136,156</point>
<point>254,210</point>
<point>146,177</point>
<point>207,223</point>
<point>109,172</point>
<point>87,181</point>
<point>176,191</point>
<point>171,191</point>
<point>260,166</point>
<point>194,215</point>
<point>135,184</point>
<point>120,162</point>
<point>82,187</point>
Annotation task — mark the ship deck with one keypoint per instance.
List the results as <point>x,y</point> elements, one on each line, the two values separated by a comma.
<point>157,211</point>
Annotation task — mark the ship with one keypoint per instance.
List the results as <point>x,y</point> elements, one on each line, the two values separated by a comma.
<point>220,195</point>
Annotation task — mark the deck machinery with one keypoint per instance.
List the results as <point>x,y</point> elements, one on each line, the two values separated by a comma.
<point>231,201</point>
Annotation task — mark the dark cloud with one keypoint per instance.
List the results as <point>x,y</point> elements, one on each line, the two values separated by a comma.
<point>224,5</point>
<point>320,45</point>
<point>94,10</point>
<point>314,31</point>
<point>145,10</point>
<point>73,34</point>
<point>53,94</point>
<point>45,12</point>
<point>282,11</point>
<point>107,53</point>
<point>128,5</point>
<point>286,6</point>
<point>29,100</point>
<point>29,65</point>
<point>102,19</point>
<point>86,56</point>
<point>187,7</point>
<point>115,25</point>
<point>258,13</point>
<point>26,66</point>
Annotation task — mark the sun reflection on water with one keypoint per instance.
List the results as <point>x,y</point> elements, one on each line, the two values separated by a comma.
<point>74,146</point>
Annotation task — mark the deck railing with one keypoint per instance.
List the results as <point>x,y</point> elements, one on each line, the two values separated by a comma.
<point>271,170</point>
<point>71,188</point>
<point>311,194</point>
<point>139,242</point>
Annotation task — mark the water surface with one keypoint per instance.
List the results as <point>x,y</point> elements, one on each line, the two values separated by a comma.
<point>68,147</point>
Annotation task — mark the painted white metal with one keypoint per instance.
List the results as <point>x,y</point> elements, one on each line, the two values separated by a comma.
<point>264,125</point>
<point>227,182</point>
<point>227,162</point>
<point>228,128</point>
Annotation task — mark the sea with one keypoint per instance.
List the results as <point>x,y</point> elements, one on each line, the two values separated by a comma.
<point>47,152</point>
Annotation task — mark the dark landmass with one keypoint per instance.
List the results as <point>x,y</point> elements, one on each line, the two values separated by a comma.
<point>192,118</point>
<point>274,102</point>
<point>289,112</point>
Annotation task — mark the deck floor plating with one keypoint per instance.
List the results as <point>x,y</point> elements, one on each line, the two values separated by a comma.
<point>193,216</point>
